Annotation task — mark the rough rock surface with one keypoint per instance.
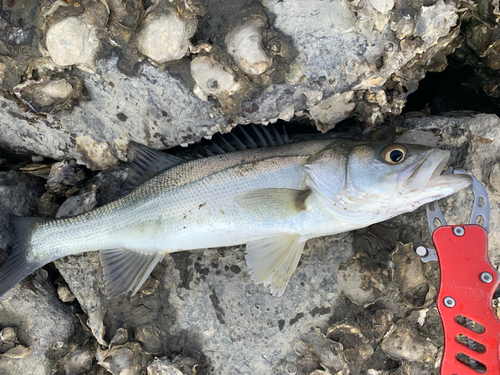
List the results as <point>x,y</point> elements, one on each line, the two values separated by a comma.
<point>326,60</point>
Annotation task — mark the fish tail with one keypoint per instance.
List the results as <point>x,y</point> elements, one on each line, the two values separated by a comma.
<point>17,266</point>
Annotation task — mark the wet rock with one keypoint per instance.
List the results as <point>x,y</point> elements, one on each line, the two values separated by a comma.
<point>361,279</point>
<point>404,344</point>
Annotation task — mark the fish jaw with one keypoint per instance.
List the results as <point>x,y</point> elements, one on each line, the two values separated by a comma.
<point>424,182</point>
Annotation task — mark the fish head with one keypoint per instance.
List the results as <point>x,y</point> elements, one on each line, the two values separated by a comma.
<point>399,177</point>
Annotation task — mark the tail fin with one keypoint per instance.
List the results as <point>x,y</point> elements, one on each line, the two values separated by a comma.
<point>16,267</point>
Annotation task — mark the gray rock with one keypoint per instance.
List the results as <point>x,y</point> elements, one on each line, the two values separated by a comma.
<point>44,326</point>
<point>205,301</point>
<point>328,61</point>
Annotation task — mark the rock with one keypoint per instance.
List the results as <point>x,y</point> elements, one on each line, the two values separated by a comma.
<point>377,325</point>
<point>361,279</point>
<point>428,323</point>
<point>180,365</point>
<point>73,34</point>
<point>268,55</point>
<point>42,322</point>
<point>65,294</point>
<point>190,298</point>
<point>78,361</point>
<point>404,344</point>
<point>244,44</point>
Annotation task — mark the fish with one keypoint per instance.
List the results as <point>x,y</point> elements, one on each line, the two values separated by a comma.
<point>272,199</point>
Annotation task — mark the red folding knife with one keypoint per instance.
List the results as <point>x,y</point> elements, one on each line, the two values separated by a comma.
<point>467,283</point>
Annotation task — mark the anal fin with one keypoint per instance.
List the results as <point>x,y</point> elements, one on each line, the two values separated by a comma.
<point>126,270</point>
<point>273,260</point>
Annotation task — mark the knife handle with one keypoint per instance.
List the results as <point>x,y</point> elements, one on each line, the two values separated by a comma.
<point>467,283</point>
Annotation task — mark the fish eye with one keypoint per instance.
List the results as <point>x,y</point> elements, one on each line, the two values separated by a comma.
<point>394,154</point>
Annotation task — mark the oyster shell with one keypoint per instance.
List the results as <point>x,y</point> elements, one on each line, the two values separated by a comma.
<point>165,33</point>
<point>49,95</point>
<point>244,44</point>
<point>73,33</point>
<point>213,78</point>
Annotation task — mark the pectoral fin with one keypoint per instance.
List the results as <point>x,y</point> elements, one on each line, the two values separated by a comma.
<point>272,202</point>
<point>125,270</point>
<point>273,260</point>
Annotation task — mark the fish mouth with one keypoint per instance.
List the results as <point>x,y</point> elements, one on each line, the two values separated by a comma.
<point>428,174</point>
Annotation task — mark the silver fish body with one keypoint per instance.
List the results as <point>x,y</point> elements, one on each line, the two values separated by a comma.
<point>272,199</point>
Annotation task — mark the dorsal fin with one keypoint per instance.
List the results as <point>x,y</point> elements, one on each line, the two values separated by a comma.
<point>244,138</point>
<point>145,163</point>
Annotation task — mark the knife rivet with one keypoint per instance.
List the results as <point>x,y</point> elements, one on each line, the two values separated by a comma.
<point>458,231</point>
<point>486,277</point>
<point>449,302</point>
<point>421,251</point>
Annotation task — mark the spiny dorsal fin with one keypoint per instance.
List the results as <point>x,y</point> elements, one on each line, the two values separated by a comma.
<point>145,163</point>
<point>273,260</point>
<point>126,270</point>
<point>244,138</point>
